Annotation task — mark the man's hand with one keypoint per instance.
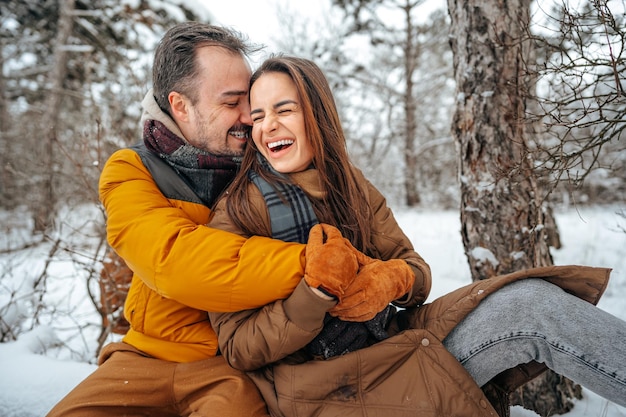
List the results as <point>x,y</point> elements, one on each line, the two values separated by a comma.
<point>377,284</point>
<point>331,263</point>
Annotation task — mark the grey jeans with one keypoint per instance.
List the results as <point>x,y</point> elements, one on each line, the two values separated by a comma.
<point>534,320</point>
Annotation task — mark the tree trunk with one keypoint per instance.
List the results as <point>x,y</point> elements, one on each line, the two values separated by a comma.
<point>501,213</point>
<point>3,100</point>
<point>410,128</point>
<point>44,209</point>
<point>4,128</point>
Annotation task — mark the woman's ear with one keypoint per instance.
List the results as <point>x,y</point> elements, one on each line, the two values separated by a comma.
<point>179,106</point>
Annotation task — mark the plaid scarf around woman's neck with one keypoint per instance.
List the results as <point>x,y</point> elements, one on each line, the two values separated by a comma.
<point>290,209</point>
<point>206,174</point>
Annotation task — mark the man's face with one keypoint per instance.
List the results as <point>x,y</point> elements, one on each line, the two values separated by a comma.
<point>220,120</point>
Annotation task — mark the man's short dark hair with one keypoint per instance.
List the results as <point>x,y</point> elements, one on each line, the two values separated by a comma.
<point>175,68</point>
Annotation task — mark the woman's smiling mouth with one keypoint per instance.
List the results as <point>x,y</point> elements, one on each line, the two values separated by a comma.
<point>280,145</point>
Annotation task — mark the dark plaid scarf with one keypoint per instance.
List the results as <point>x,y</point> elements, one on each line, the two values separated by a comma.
<point>292,217</point>
<point>205,173</point>
<point>291,211</point>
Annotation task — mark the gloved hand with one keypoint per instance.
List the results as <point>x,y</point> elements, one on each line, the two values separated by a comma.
<point>377,284</point>
<point>331,263</point>
<point>337,338</point>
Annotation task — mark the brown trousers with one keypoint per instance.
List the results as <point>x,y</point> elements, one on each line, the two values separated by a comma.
<point>130,383</point>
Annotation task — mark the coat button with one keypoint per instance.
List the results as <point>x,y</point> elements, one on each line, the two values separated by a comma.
<point>425,342</point>
<point>483,403</point>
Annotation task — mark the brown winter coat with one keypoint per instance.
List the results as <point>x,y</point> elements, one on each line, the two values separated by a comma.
<point>409,374</point>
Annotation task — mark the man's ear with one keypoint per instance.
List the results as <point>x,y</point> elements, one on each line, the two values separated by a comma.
<point>179,106</point>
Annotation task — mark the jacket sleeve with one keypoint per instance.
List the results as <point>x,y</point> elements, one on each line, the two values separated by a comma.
<point>392,243</point>
<point>255,338</point>
<point>167,245</point>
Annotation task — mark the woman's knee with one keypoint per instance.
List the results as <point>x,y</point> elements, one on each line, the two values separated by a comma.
<point>529,293</point>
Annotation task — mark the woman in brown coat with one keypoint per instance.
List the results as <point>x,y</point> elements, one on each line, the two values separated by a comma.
<point>427,360</point>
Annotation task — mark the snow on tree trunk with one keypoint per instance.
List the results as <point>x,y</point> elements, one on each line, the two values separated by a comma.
<point>502,219</point>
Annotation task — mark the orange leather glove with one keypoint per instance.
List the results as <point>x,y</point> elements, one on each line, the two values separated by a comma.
<point>331,263</point>
<point>377,284</point>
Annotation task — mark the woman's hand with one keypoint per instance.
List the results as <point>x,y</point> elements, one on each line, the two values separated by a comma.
<point>331,263</point>
<point>377,284</point>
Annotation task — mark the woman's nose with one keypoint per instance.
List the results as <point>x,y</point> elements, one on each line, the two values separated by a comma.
<point>269,123</point>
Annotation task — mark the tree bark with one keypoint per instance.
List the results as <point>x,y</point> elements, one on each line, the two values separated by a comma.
<point>45,206</point>
<point>4,115</point>
<point>411,55</point>
<point>4,128</point>
<point>503,224</point>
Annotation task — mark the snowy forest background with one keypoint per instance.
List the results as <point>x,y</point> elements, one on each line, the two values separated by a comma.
<point>74,72</point>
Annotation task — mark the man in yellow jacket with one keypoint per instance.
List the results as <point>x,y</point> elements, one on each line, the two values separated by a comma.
<point>157,196</point>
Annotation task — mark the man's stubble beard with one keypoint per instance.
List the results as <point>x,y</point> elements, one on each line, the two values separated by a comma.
<point>213,144</point>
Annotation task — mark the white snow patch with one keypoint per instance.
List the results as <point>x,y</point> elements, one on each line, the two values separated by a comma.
<point>518,255</point>
<point>483,255</point>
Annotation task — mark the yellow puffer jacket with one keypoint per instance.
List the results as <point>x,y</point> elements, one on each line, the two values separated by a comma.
<point>182,269</point>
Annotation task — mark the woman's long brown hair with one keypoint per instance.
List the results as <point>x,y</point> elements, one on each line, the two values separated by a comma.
<point>344,205</point>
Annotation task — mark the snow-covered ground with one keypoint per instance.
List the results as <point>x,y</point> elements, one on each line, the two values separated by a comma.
<point>44,364</point>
